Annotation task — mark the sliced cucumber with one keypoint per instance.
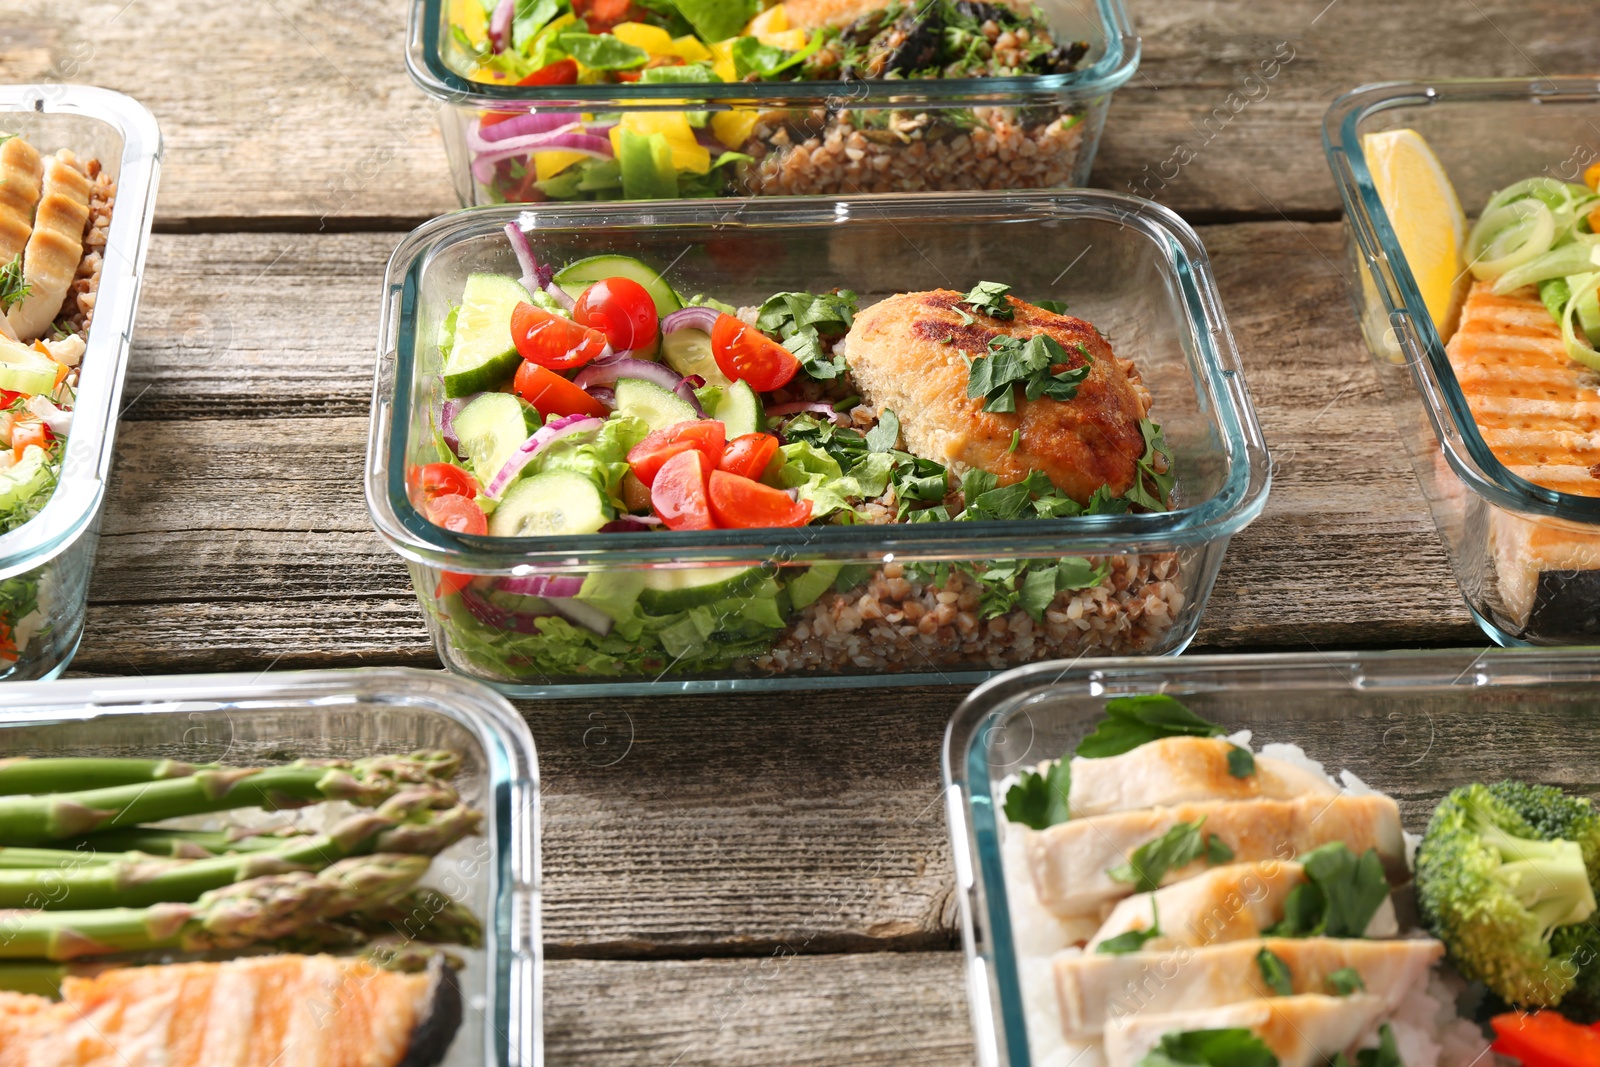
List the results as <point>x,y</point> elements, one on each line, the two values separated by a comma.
<point>551,504</point>
<point>491,429</point>
<point>26,370</point>
<point>817,579</point>
<point>740,410</point>
<point>576,277</point>
<point>31,475</point>
<point>658,407</point>
<point>483,353</point>
<point>689,352</point>
<point>679,589</point>
<point>1588,309</point>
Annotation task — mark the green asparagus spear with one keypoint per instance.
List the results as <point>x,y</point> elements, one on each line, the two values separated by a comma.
<point>32,820</point>
<point>244,913</point>
<point>418,821</point>
<point>177,844</point>
<point>47,774</point>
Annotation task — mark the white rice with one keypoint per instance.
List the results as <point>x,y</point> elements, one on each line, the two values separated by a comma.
<point>1426,1028</point>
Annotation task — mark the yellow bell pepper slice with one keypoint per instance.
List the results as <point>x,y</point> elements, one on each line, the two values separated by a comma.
<point>774,19</point>
<point>722,60</point>
<point>653,39</point>
<point>788,40</point>
<point>548,164</point>
<point>472,19</point>
<point>690,50</point>
<point>733,128</point>
<point>687,153</point>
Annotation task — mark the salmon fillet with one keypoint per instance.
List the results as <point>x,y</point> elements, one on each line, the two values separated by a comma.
<point>282,1010</point>
<point>907,353</point>
<point>1178,770</point>
<point>1539,413</point>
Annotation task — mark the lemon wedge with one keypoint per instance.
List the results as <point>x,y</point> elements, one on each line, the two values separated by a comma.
<point>1424,213</point>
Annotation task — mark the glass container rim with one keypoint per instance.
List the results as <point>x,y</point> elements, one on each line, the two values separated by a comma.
<point>1463,444</point>
<point>1214,359</point>
<point>86,457</point>
<point>428,70</point>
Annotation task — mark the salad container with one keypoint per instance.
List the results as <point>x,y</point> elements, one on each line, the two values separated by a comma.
<point>1410,724</point>
<point>45,563</point>
<point>273,718</point>
<point>800,137</point>
<point>1131,268</point>
<point>1490,519</point>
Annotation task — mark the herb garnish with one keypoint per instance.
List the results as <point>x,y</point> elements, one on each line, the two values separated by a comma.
<point>1016,439</point>
<point>1344,981</point>
<point>1055,307</point>
<point>990,299</point>
<point>1173,850</point>
<point>1274,972</point>
<point>802,320</point>
<point>1132,940</point>
<point>1241,763</point>
<point>1011,362</point>
<point>1151,488</point>
<point>1387,1054</point>
<point>1137,720</point>
<point>1341,894</point>
<point>1040,800</point>
<point>13,290</point>
<point>882,437</point>
<point>1233,1047</point>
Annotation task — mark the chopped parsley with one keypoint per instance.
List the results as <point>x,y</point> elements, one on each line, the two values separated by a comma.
<point>1241,763</point>
<point>803,320</point>
<point>1040,800</point>
<point>1012,362</point>
<point>1387,1054</point>
<point>1341,894</point>
<point>1152,488</point>
<point>1016,439</point>
<point>990,299</point>
<point>1055,307</point>
<point>1344,981</point>
<point>1137,720</point>
<point>13,290</point>
<point>1233,1047</point>
<point>1173,850</point>
<point>1274,972</point>
<point>883,436</point>
<point>1132,940</point>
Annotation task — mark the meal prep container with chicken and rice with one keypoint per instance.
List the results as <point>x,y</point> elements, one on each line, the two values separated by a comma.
<point>740,138</point>
<point>267,719</point>
<point>882,611</point>
<point>1411,725</point>
<point>45,562</point>
<point>1527,557</point>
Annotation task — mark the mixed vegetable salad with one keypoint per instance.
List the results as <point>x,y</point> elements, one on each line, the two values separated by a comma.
<point>569,155</point>
<point>596,399</point>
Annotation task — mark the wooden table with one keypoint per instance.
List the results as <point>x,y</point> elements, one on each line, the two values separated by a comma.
<point>731,880</point>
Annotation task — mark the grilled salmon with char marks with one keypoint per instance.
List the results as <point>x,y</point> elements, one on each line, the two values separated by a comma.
<point>907,353</point>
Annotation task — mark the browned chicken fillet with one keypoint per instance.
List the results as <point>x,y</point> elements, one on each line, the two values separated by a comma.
<point>906,353</point>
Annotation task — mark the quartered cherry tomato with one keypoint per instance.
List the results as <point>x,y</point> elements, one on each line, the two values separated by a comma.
<point>458,514</point>
<point>678,494</point>
<point>434,480</point>
<point>552,340</point>
<point>749,455</point>
<point>551,394</point>
<point>1545,1039</point>
<point>707,436</point>
<point>602,15</point>
<point>450,582</point>
<point>746,354</point>
<point>743,503</point>
<point>561,72</point>
<point>622,310</point>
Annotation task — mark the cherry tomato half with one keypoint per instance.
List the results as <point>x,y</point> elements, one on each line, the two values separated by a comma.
<point>457,514</point>
<point>434,480</point>
<point>622,310</point>
<point>745,353</point>
<point>679,492</point>
<point>551,394</point>
<point>742,503</point>
<point>1545,1039</point>
<point>561,72</point>
<point>552,340</point>
<point>601,15</point>
<point>707,436</point>
<point>749,455</point>
<point>450,582</point>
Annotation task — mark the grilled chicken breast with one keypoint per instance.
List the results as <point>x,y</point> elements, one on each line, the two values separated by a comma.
<point>20,175</point>
<point>286,1011</point>
<point>1070,861</point>
<point>1539,412</point>
<point>1228,903</point>
<point>1094,988</point>
<point>50,260</point>
<point>1178,770</point>
<point>1305,1030</point>
<point>910,352</point>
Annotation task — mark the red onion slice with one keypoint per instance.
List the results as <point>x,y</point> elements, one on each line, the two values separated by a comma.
<point>561,295</point>
<point>500,25</point>
<point>598,373</point>
<point>605,394</point>
<point>528,122</point>
<point>556,592</point>
<point>815,407</point>
<point>685,391</point>
<point>534,276</point>
<point>548,585</point>
<point>695,318</point>
<point>522,622</point>
<point>447,420</point>
<point>541,440</point>
<point>486,156</point>
<point>580,614</point>
<point>631,524</point>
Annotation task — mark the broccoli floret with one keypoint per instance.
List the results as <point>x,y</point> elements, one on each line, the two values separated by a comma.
<point>1493,892</point>
<point>1552,815</point>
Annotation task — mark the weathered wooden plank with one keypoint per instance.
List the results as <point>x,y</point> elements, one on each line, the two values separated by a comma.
<point>858,1010</point>
<point>307,119</point>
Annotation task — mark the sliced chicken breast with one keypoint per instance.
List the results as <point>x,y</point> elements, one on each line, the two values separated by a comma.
<point>20,175</point>
<point>1094,989</point>
<point>1228,903</point>
<point>1070,861</point>
<point>50,260</point>
<point>1304,1030</point>
<point>1180,770</point>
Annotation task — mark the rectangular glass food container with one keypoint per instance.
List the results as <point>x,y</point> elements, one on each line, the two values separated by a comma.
<point>1487,134</point>
<point>816,137</point>
<point>272,718</point>
<point>1130,267</point>
<point>1411,724</point>
<point>45,564</point>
